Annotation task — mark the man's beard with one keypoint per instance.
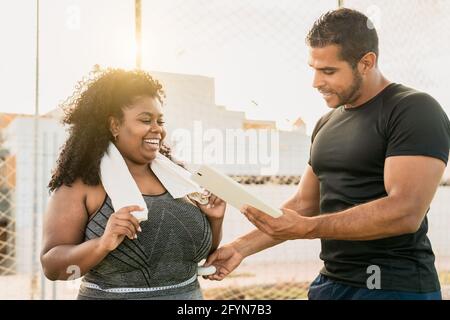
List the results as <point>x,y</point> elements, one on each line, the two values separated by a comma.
<point>348,97</point>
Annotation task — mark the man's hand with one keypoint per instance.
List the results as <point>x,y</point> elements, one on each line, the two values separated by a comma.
<point>290,225</point>
<point>225,259</point>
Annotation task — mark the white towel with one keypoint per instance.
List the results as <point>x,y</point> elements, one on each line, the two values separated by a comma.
<point>174,178</point>
<point>123,190</point>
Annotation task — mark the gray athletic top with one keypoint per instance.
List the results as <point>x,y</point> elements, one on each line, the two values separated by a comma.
<point>162,261</point>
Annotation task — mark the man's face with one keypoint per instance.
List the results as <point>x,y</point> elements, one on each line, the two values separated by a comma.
<point>335,79</point>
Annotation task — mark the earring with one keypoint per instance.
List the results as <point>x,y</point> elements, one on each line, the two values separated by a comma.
<point>116,137</point>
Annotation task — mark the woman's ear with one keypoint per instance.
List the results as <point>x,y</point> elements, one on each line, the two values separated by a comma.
<point>114,126</point>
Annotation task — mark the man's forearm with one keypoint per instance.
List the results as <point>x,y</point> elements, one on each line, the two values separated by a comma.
<point>256,240</point>
<point>382,218</point>
<point>253,242</point>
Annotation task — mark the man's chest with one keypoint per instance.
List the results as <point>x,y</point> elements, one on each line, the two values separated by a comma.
<point>349,142</point>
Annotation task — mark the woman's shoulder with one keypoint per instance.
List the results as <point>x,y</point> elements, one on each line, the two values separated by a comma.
<point>91,196</point>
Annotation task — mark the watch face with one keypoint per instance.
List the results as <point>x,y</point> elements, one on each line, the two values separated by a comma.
<point>201,198</point>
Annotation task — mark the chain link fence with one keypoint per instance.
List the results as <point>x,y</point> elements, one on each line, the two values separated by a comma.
<point>215,58</point>
<point>7,221</point>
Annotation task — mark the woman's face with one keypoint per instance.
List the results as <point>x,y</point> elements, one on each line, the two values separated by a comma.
<point>142,131</point>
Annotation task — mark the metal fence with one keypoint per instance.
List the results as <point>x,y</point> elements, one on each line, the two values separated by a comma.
<point>255,51</point>
<point>7,225</point>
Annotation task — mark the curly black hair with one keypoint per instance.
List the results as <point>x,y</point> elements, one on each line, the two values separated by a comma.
<point>104,93</point>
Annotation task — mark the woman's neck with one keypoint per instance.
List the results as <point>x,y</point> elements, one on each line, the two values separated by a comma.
<point>138,169</point>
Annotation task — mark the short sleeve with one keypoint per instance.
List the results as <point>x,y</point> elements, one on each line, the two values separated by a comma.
<point>418,126</point>
<point>310,146</point>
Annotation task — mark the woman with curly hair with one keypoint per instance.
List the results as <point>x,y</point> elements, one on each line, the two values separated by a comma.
<point>118,257</point>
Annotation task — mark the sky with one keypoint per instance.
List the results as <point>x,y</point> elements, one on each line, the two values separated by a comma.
<point>254,49</point>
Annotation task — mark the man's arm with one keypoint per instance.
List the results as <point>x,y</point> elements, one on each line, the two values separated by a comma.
<point>305,201</point>
<point>228,257</point>
<point>410,182</point>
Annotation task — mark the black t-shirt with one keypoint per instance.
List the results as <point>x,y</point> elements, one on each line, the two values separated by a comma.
<point>348,151</point>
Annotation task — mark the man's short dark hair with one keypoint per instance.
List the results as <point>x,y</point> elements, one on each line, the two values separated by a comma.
<point>350,29</point>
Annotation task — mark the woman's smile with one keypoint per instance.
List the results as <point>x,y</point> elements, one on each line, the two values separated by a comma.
<point>152,144</point>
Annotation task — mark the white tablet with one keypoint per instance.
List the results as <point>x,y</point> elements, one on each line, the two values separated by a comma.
<point>229,190</point>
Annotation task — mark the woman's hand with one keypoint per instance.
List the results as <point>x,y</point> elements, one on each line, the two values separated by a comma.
<point>215,208</point>
<point>120,224</point>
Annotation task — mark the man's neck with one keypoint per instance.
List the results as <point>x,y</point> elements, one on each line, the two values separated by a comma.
<point>369,89</point>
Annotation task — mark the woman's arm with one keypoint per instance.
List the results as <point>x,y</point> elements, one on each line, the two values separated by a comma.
<point>216,229</point>
<point>64,252</point>
<point>214,211</point>
<point>63,249</point>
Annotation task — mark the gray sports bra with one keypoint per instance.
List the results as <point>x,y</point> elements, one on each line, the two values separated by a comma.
<point>161,261</point>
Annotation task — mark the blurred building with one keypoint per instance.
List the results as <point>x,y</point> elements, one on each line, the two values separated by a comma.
<point>190,105</point>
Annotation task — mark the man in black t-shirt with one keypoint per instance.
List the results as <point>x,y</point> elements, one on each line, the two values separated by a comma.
<point>375,164</point>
